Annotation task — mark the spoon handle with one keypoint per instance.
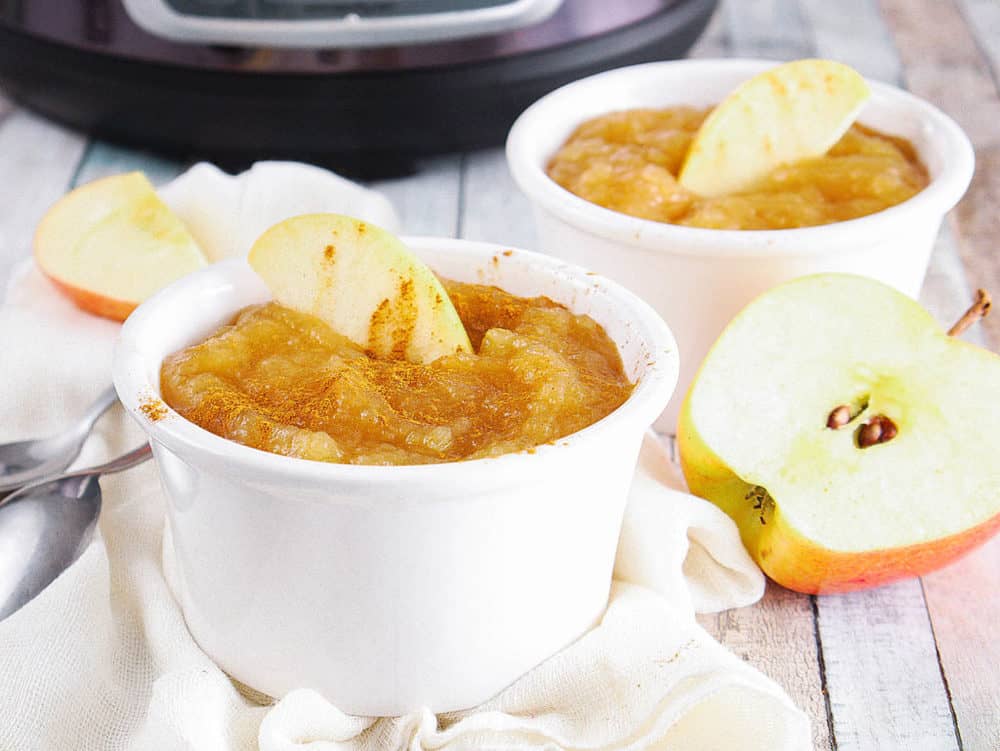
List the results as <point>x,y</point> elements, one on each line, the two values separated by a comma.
<point>119,464</point>
<point>101,405</point>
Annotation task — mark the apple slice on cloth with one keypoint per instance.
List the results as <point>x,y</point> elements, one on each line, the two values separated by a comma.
<point>791,112</point>
<point>851,440</point>
<point>363,282</point>
<point>112,243</point>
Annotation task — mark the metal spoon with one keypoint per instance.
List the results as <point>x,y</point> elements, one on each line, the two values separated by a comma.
<point>44,527</point>
<point>27,461</point>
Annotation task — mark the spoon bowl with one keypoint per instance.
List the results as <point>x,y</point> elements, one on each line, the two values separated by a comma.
<point>46,526</point>
<point>24,462</point>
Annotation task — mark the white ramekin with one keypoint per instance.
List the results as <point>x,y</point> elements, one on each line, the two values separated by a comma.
<point>698,279</point>
<point>393,588</point>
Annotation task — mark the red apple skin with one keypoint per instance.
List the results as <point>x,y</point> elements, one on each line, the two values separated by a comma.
<point>803,566</point>
<point>94,302</point>
<point>791,559</point>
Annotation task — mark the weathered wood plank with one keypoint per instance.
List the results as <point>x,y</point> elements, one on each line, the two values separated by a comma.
<point>102,159</point>
<point>714,42</point>
<point>428,201</point>
<point>853,32</point>
<point>493,208</point>
<point>770,29</point>
<point>946,291</point>
<point>983,19</point>
<point>777,636</point>
<point>953,74</point>
<point>943,63</point>
<point>885,686</point>
<point>37,162</point>
<point>965,610</point>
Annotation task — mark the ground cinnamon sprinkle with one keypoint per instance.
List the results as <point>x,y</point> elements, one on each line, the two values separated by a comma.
<point>153,409</point>
<point>283,381</point>
<point>394,322</point>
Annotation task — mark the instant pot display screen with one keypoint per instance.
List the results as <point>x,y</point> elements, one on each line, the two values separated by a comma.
<point>322,9</point>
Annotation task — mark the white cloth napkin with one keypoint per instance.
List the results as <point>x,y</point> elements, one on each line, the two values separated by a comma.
<point>102,658</point>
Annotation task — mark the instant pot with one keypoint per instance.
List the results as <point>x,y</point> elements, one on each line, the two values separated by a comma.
<point>381,81</point>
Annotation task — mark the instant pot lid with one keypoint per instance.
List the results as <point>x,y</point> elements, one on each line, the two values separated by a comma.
<point>87,64</point>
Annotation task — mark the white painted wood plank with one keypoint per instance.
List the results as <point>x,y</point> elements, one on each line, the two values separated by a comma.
<point>714,42</point>
<point>853,32</point>
<point>37,161</point>
<point>102,159</point>
<point>946,292</point>
<point>965,611</point>
<point>777,636</point>
<point>942,63</point>
<point>770,29</point>
<point>428,201</point>
<point>493,208</point>
<point>983,19</point>
<point>884,681</point>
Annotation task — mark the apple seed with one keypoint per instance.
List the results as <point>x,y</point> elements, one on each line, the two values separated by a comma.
<point>869,434</point>
<point>889,430</point>
<point>879,429</point>
<point>839,417</point>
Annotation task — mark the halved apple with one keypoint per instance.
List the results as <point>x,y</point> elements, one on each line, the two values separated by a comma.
<point>793,111</point>
<point>363,282</point>
<point>112,243</point>
<point>851,440</point>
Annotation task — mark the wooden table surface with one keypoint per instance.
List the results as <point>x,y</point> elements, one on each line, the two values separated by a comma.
<point>912,666</point>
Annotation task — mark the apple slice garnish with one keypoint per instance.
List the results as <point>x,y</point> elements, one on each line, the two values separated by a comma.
<point>363,282</point>
<point>851,440</point>
<point>791,112</point>
<point>112,243</point>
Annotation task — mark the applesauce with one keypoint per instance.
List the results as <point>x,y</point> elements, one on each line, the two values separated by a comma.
<point>628,161</point>
<point>285,382</point>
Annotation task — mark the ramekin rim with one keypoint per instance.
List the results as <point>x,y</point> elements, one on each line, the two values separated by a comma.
<point>941,194</point>
<point>179,434</point>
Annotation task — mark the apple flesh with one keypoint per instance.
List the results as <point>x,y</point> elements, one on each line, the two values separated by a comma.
<point>363,282</point>
<point>112,243</point>
<point>788,113</point>
<point>822,509</point>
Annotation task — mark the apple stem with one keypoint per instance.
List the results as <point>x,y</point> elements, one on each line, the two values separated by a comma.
<point>979,309</point>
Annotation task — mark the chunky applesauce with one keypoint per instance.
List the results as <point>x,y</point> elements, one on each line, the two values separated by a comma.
<point>628,161</point>
<point>285,382</point>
